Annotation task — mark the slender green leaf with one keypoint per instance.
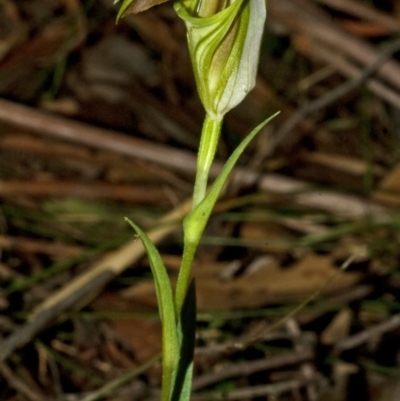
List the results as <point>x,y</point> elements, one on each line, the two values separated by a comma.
<point>196,220</point>
<point>124,8</point>
<point>170,341</point>
<point>187,333</point>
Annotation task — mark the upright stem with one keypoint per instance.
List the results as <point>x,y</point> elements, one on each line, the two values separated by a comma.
<point>207,149</point>
<point>184,274</point>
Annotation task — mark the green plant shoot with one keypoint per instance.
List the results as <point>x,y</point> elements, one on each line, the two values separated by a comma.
<point>224,39</point>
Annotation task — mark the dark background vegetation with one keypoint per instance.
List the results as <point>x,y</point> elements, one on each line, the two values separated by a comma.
<point>99,121</point>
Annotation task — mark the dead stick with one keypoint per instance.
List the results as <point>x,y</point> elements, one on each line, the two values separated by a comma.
<point>82,190</point>
<point>19,385</point>
<point>335,94</point>
<point>30,245</point>
<point>248,368</point>
<point>305,18</point>
<point>85,287</point>
<point>274,390</point>
<point>364,11</point>
<point>360,338</point>
<point>98,138</point>
<point>351,70</point>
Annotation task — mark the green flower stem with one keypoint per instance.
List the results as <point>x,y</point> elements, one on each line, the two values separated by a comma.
<point>207,149</point>
<point>192,235</point>
<point>189,251</point>
<point>195,222</point>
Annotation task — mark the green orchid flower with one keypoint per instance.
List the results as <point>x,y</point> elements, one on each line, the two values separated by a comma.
<point>224,44</point>
<point>224,39</point>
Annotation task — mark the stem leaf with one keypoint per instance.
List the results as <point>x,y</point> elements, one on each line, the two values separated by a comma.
<point>187,334</point>
<point>196,220</point>
<point>165,299</point>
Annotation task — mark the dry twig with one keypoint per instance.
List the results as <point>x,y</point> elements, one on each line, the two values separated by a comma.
<point>274,390</point>
<point>335,94</point>
<point>85,287</point>
<point>178,160</point>
<point>19,385</point>
<point>302,17</point>
<point>245,369</point>
<point>364,11</point>
<point>360,338</point>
